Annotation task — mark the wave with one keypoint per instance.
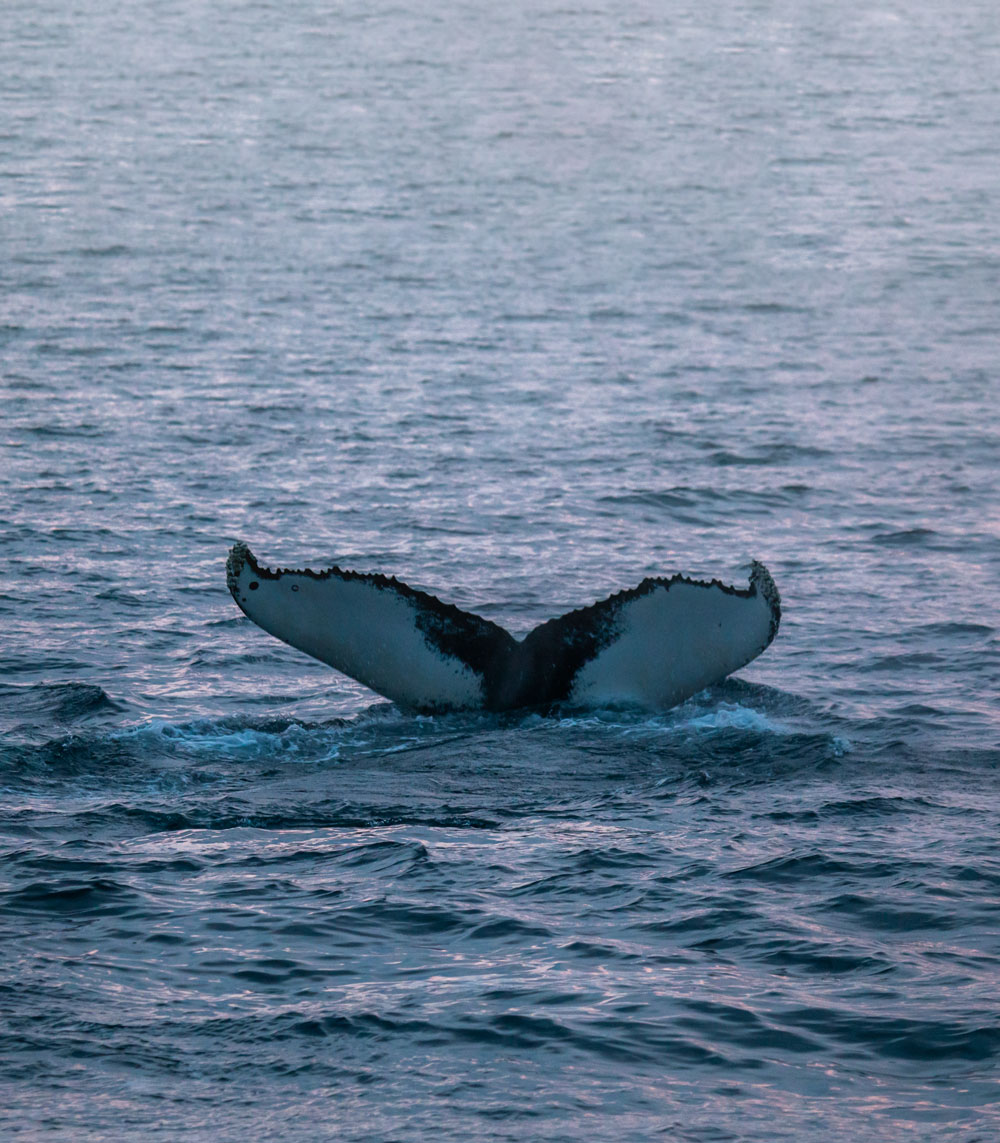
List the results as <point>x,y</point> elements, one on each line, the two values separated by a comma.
<point>54,702</point>
<point>686,1032</point>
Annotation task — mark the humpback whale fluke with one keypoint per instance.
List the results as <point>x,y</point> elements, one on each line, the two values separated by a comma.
<point>653,645</point>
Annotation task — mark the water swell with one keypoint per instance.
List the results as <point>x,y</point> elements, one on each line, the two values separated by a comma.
<point>310,1034</point>
<point>30,706</point>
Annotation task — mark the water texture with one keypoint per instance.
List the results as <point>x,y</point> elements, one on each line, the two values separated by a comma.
<point>521,305</point>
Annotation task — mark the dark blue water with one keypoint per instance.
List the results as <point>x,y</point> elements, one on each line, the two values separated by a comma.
<point>519,304</point>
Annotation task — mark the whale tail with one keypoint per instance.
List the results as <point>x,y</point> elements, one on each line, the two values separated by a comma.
<point>652,646</point>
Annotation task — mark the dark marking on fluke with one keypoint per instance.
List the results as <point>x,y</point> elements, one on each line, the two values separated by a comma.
<point>540,670</point>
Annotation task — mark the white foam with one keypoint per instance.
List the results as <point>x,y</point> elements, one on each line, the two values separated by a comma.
<point>727,716</point>
<point>208,738</point>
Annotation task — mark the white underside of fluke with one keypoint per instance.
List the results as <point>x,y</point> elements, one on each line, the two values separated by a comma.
<point>672,643</point>
<point>364,630</point>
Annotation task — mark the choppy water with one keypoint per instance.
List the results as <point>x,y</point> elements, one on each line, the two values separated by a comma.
<point>519,304</point>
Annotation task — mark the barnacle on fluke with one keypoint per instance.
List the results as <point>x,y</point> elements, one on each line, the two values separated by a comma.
<point>653,645</point>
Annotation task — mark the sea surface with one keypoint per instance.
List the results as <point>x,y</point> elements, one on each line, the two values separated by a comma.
<point>519,303</point>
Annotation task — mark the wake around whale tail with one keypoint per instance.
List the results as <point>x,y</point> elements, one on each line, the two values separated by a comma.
<point>651,646</point>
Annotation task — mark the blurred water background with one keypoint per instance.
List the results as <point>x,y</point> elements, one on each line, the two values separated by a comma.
<point>519,303</point>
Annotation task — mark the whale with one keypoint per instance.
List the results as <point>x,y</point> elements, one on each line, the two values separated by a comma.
<point>651,646</point>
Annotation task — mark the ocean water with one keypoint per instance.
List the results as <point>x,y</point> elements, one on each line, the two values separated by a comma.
<point>521,304</point>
